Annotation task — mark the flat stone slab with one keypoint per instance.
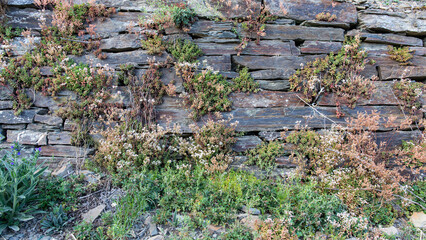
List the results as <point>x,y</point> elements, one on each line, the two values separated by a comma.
<point>94,213</point>
<point>205,28</point>
<point>59,138</point>
<point>318,47</point>
<point>267,48</point>
<point>117,23</point>
<point>224,9</point>
<point>308,9</point>
<point>218,63</point>
<point>382,21</point>
<point>290,32</point>
<point>274,62</point>
<point>246,142</point>
<point>272,74</point>
<point>138,57</point>
<point>49,120</point>
<point>27,137</point>
<point>122,42</point>
<point>9,117</point>
<point>65,151</point>
<point>27,18</point>
<point>274,85</point>
<point>387,38</point>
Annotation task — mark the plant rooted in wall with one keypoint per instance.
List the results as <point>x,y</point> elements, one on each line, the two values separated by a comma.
<point>401,55</point>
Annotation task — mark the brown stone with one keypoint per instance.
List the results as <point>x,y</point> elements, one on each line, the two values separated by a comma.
<point>318,47</point>
<point>27,137</point>
<point>308,9</point>
<point>65,151</point>
<point>397,71</point>
<point>395,138</point>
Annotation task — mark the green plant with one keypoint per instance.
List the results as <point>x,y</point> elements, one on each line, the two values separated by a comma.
<point>401,55</point>
<point>335,73</point>
<point>184,51</point>
<point>7,33</point>
<point>238,232</point>
<point>410,93</point>
<point>264,156</point>
<point>19,176</point>
<point>207,92</point>
<point>244,82</point>
<point>153,44</point>
<point>56,220</point>
<point>182,16</point>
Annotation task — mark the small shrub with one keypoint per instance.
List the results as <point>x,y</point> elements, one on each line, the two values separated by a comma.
<point>207,92</point>
<point>8,33</point>
<point>326,17</point>
<point>410,93</point>
<point>56,220</point>
<point>335,73</point>
<point>238,232</point>
<point>274,230</point>
<point>19,176</point>
<point>184,51</point>
<point>182,16</point>
<point>153,44</point>
<point>401,55</point>
<point>264,156</point>
<point>244,82</point>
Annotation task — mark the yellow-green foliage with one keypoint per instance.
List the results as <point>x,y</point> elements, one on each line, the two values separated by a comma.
<point>401,55</point>
<point>264,156</point>
<point>410,93</point>
<point>244,82</point>
<point>184,51</point>
<point>154,44</point>
<point>325,17</point>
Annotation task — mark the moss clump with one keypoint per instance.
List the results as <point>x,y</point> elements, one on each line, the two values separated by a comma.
<point>184,51</point>
<point>153,44</point>
<point>409,92</point>
<point>401,55</point>
<point>245,83</point>
<point>264,156</point>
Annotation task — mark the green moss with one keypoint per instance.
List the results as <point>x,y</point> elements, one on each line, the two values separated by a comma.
<point>244,82</point>
<point>401,55</point>
<point>184,51</point>
<point>153,44</point>
<point>264,156</point>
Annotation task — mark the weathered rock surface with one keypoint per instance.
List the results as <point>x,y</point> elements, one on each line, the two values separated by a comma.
<point>268,48</point>
<point>318,47</point>
<point>246,142</point>
<point>94,213</point>
<point>9,117</point>
<point>288,32</point>
<point>122,42</point>
<point>49,120</point>
<point>418,219</point>
<point>387,38</point>
<point>59,138</point>
<point>27,137</point>
<point>65,151</point>
<point>27,18</point>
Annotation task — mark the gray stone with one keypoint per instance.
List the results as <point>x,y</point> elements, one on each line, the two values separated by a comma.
<point>9,117</point>
<point>308,9</point>
<point>285,63</point>
<point>69,125</point>
<point>94,213</point>
<point>209,28</point>
<point>389,231</point>
<point>152,227</point>
<point>381,21</point>
<point>315,23</point>
<point>64,171</point>
<point>265,99</point>
<point>27,18</point>
<point>49,120</point>
<point>129,5</point>
<point>22,45</point>
<point>224,9</point>
<point>275,85</point>
<point>6,105</point>
<point>218,63</point>
<point>272,74</point>
<point>117,23</point>
<point>287,32</point>
<point>268,48</point>
<point>387,38</point>
<point>14,126</point>
<point>90,176</point>
<point>122,42</point>
<point>318,47</point>
<point>252,211</point>
<point>246,142</point>
<point>27,137</point>
<point>59,138</point>
<point>20,3</point>
<point>5,92</point>
<point>41,127</point>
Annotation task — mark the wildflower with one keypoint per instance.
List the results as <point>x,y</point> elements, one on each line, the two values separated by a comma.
<point>19,153</point>
<point>11,163</point>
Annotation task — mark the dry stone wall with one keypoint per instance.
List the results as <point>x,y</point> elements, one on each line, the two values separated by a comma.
<point>295,38</point>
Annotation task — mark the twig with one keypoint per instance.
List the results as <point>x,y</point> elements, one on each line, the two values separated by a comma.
<point>372,189</point>
<point>322,115</point>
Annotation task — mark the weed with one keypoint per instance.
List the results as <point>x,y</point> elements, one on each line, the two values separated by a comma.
<point>238,232</point>
<point>401,55</point>
<point>326,17</point>
<point>264,156</point>
<point>182,16</point>
<point>184,51</point>
<point>244,82</point>
<point>410,93</point>
<point>153,44</point>
<point>19,176</point>
<point>56,220</point>
<point>335,73</point>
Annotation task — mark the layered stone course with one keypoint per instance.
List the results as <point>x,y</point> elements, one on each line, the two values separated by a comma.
<point>291,41</point>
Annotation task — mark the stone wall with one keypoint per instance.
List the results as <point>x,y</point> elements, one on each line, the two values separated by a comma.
<point>293,39</point>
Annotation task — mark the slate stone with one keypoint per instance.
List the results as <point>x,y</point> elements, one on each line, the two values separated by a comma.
<point>419,51</point>
<point>218,63</point>
<point>69,125</point>
<point>318,47</point>
<point>204,28</point>
<point>387,38</point>
<point>9,117</point>
<point>65,151</point>
<point>14,126</point>
<point>138,57</point>
<point>271,74</point>
<point>275,85</point>
<point>122,42</point>
<point>117,23</point>
<point>5,92</point>
<point>27,18</point>
<point>383,95</point>
<point>394,139</point>
<point>49,120</point>
<point>21,3</point>
<point>41,127</point>
<point>267,48</point>
<point>381,21</point>
<point>288,32</point>
<point>388,72</point>
<point>308,9</point>
<point>285,63</point>
<point>129,5</point>
<point>6,105</point>
<point>59,138</point>
<point>27,137</point>
<point>265,99</point>
<point>285,162</point>
<point>335,24</point>
<point>92,214</point>
<point>246,142</point>
<point>224,9</point>
<point>21,45</point>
